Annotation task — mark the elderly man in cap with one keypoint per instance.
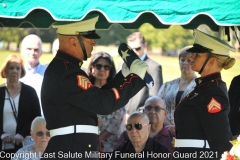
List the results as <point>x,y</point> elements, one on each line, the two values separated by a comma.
<point>71,102</point>
<point>201,119</point>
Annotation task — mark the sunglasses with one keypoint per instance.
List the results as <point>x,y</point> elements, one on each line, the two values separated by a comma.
<point>138,48</point>
<point>138,126</point>
<point>99,67</point>
<point>156,109</point>
<point>40,134</point>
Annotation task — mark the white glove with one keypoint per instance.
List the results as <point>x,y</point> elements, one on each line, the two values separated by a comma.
<point>139,68</point>
<point>125,70</point>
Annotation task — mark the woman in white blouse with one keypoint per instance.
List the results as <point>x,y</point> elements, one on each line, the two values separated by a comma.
<point>174,91</point>
<point>19,105</point>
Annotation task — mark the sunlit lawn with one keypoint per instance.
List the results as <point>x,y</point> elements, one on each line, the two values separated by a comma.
<point>169,64</point>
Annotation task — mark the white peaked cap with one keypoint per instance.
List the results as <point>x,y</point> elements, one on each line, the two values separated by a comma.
<point>85,28</point>
<point>206,43</point>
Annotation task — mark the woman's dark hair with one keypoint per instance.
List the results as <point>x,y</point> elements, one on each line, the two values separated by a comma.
<point>95,58</point>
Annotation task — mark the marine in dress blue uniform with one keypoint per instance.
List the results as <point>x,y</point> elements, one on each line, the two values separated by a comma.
<point>202,125</point>
<point>71,103</point>
<point>234,100</point>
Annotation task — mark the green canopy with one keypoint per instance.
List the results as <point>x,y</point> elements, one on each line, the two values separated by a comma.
<point>131,14</point>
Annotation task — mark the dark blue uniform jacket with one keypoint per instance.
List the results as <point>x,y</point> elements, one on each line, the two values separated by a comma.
<point>69,98</point>
<point>203,115</point>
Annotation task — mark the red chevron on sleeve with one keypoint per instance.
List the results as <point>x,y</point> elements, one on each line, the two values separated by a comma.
<point>116,93</point>
<point>83,82</point>
<point>214,106</point>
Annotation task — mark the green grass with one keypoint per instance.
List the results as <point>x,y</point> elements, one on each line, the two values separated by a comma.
<point>169,64</point>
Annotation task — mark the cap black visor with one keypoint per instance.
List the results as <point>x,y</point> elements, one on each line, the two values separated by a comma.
<point>198,49</point>
<point>90,35</point>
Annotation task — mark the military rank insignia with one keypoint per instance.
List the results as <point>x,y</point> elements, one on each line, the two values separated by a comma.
<point>214,106</point>
<point>83,82</point>
<point>116,93</point>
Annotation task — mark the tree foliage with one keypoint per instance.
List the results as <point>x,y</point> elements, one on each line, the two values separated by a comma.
<point>115,35</point>
<point>173,38</point>
<point>8,34</point>
<point>46,35</point>
<point>12,35</point>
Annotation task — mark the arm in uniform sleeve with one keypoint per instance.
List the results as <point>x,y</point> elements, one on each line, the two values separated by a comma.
<point>233,94</point>
<point>117,81</point>
<point>215,124</point>
<point>81,93</point>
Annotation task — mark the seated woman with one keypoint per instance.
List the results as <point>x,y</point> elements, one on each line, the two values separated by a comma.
<point>40,136</point>
<point>174,91</point>
<point>19,105</point>
<point>102,70</point>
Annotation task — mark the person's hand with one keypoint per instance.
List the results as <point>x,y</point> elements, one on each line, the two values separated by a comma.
<point>105,135</point>
<point>139,68</point>
<point>7,138</point>
<point>171,128</point>
<point>125,70</point>
<point>18,139</point>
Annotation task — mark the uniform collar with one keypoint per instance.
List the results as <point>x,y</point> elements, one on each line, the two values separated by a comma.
<point>69,58</point>
<point>208,78</point>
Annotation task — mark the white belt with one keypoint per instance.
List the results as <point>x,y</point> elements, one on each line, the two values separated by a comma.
<point>195,143</point>
<point>70,130</point>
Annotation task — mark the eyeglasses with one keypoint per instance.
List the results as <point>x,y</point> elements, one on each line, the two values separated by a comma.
<point>99,67</point>
<point>138,126</point>
<point>138,48</point>
<point>40,134</point>
<point>156,109</point>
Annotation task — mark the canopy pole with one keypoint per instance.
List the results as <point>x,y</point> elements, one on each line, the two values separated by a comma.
<point>221,32</point>
<point>236,31</point>
<point>237,43</point>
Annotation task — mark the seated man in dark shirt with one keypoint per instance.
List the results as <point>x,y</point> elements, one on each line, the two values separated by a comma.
<point>140,145</point>
<point>155,109</point>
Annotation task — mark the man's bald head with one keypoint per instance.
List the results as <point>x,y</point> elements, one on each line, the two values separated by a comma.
<point>157,100</point>
<point>155,108</point>
<point>139,114</point>
<point>138,128</point>
<point>31,38</point>
<point>31,49</point>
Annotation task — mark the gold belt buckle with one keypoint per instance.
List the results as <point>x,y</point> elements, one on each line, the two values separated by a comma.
<point>174,142</point>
